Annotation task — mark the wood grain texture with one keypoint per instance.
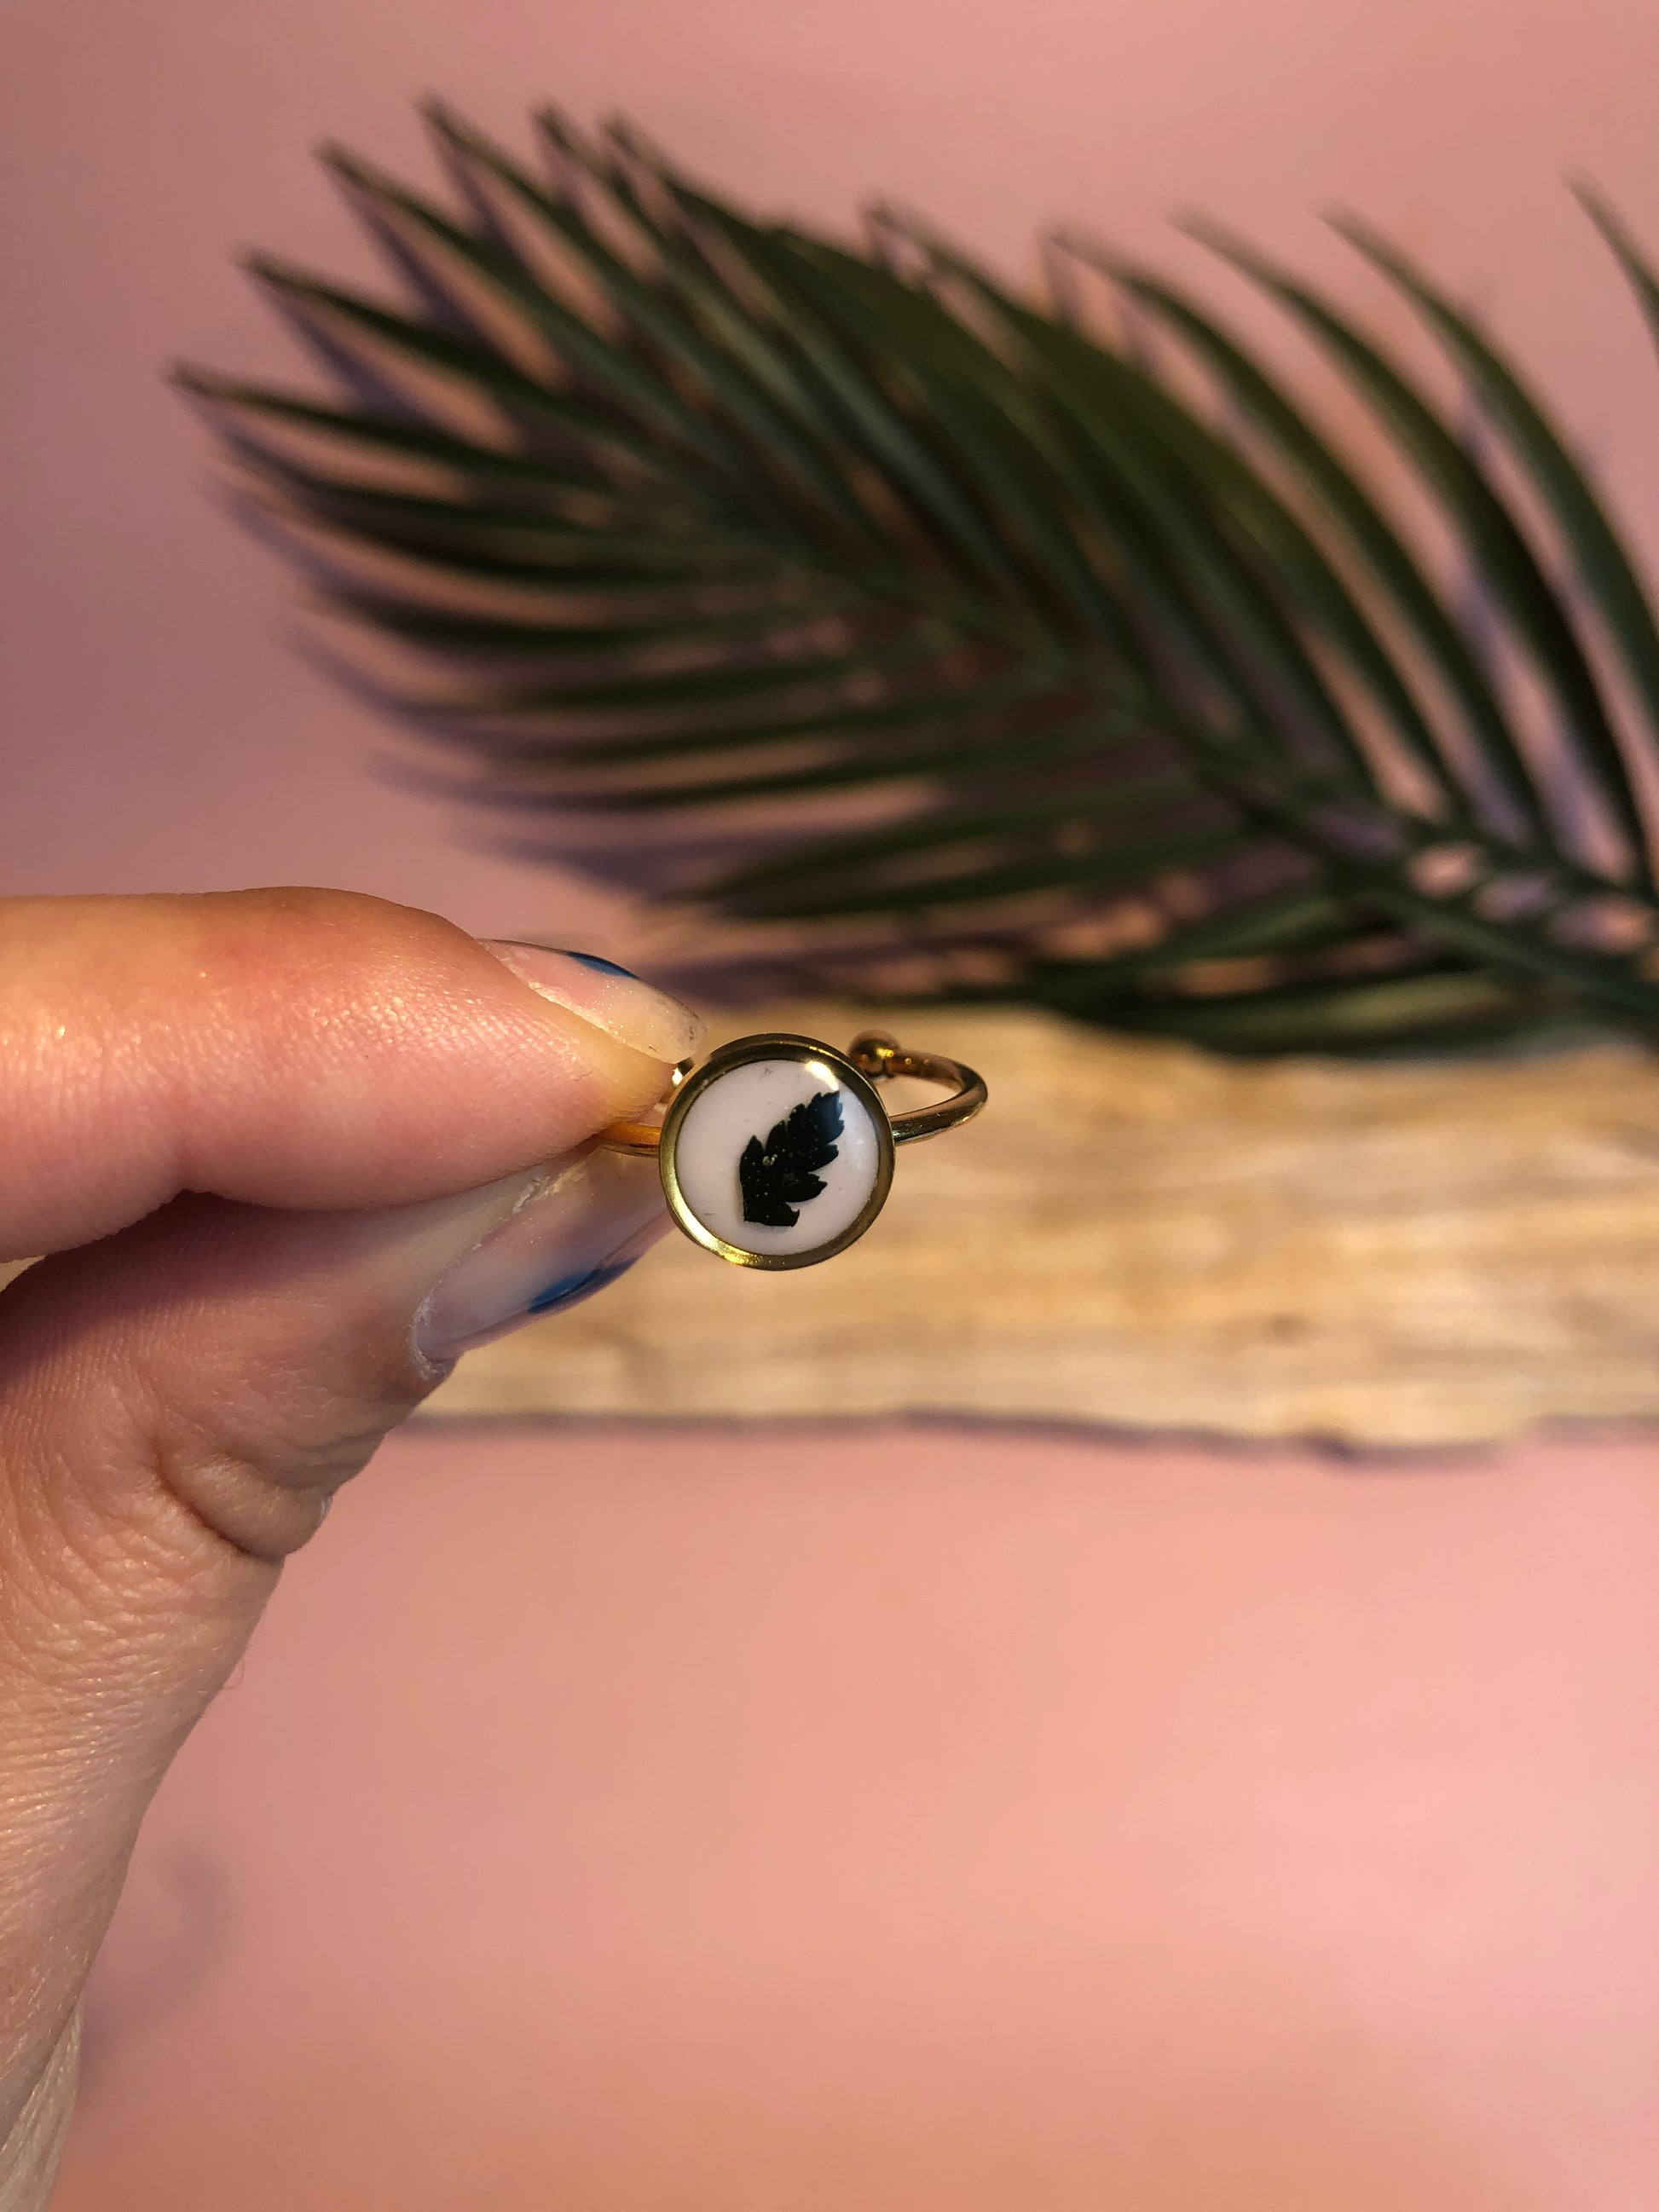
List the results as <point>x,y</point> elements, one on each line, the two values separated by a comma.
<point>1140,1236</point>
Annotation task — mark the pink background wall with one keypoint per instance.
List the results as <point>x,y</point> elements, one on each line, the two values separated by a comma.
<point>912,1824</point>
<point>619,1818</point>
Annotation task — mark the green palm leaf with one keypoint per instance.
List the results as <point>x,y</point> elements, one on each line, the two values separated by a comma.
<point>947,648</point>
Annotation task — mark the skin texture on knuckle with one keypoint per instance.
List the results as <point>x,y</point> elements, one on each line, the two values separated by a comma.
<point>148,1439</point>
<point>266,1493</point>
<point>175,1411</point>
<point>114,1585</point>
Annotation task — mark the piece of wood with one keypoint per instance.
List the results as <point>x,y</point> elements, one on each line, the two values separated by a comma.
<point>1139,1235</point>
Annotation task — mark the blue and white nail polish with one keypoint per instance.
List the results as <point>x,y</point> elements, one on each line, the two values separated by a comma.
<point>571,1289</point>
<point>612,999</point>
<point>580,1224</point>
<point>596,961</point>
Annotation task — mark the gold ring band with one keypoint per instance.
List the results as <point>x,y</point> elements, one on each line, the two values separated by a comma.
<point>876,1054</point>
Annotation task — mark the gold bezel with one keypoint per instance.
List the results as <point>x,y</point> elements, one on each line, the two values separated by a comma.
<point>777,1046</point>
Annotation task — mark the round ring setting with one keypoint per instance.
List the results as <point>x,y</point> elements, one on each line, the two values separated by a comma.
<point>777,1153</point>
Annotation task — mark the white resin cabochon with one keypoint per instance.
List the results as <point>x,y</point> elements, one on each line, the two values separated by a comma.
<point>746,1102</point>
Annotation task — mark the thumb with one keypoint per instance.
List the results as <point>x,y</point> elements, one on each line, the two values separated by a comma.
<point>177,1402</point>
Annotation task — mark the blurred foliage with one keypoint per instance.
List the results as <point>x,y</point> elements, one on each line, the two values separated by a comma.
<point>919,642</point>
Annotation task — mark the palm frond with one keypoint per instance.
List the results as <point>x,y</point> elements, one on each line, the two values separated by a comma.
<point>947,648</point>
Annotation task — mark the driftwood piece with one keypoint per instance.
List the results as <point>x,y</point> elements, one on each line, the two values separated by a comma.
<point>1141,1236</point>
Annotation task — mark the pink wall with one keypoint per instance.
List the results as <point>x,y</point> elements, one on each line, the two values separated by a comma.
<point>912,1824</point>
<point>990,1822</point>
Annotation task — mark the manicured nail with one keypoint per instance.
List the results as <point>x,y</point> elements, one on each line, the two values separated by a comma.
<point>579,1224</point>
<point>633,1012</point>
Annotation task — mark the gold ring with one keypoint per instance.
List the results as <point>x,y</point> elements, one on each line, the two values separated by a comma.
<point>777,1152</point>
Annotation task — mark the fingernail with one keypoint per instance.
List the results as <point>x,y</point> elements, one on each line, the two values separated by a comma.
<point>579,1224</point>
<point>633,1012</point>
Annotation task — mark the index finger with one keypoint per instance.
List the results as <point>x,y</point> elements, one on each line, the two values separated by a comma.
<point>289,1047</point>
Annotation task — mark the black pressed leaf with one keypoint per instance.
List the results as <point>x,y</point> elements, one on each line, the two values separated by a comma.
<point>781,1175</point>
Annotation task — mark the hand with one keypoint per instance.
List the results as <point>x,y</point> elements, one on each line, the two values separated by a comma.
<point>284,1148</point>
